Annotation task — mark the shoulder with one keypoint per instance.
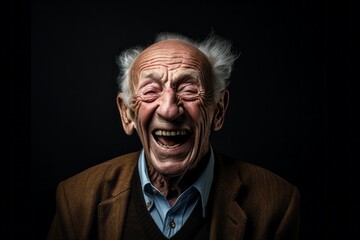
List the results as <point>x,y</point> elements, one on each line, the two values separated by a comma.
<point>259,183</point>
<point>112,176</point>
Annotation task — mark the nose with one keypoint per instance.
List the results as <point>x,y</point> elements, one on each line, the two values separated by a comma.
<point>169,108</point>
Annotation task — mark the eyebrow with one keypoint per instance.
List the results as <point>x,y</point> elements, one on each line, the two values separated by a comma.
<point>190,76</point>
<point>149,78</point>
<point>153,76</point>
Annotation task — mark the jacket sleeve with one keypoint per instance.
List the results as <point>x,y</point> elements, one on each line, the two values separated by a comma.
<point>289,226</point>
<point>61,227</point>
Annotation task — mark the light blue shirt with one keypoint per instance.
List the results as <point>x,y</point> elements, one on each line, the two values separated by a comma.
<point>171,219</point>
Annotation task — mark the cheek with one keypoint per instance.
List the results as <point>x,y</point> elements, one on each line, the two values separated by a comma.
<point>144,114</point>
<point>200,113</point>
<point>194,110</point>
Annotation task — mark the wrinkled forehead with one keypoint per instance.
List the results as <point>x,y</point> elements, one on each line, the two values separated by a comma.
<point>171,54</point>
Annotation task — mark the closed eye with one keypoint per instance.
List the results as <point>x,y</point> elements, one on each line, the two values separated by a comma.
<point>149,93</point>
<point>188,92</point>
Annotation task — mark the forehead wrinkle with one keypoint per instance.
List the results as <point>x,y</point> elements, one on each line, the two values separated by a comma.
<point>170,62</point>
<point>159,68</point>
<point>169,53</point>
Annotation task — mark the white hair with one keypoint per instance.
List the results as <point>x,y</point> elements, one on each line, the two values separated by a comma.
<point>217,49</point>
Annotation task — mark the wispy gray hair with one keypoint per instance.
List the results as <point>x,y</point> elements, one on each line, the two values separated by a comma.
<point>217,49</point>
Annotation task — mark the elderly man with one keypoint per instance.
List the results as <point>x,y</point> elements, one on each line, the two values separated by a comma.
<point>173,94</point>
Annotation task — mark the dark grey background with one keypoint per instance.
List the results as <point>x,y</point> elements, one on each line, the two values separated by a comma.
<point>291,109</point>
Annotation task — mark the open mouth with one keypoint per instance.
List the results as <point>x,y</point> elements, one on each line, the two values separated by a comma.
<point>171,139</point>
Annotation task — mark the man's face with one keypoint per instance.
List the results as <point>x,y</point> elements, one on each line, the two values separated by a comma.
<point>173,106</point>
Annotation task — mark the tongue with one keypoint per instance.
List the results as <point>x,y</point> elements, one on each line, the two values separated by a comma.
<point>168,141</point>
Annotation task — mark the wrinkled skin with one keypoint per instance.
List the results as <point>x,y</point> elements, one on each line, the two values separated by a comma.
<point>173,111</point>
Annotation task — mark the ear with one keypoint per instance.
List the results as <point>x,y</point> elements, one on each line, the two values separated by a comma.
<point>220,110</point>
<point>126,119</point>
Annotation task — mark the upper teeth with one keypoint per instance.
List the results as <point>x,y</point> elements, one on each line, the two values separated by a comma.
<point>170,133</point>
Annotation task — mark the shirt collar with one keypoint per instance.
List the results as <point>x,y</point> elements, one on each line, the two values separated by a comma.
<point>202,184</point>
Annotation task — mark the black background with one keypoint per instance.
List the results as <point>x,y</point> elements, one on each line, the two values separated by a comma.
<point>292,98</point>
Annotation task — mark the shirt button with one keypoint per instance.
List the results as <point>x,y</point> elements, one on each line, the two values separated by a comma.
<point>172,224</point>
<point>148,205</point>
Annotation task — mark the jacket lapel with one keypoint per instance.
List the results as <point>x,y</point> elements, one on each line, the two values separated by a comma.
<point>228,219</point>
<point>112,210</point>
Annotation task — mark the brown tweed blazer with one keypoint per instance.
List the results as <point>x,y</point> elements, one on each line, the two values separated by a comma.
<point>249,202</point>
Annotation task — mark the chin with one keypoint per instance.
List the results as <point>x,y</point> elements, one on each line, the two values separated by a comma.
<point>172,167</point>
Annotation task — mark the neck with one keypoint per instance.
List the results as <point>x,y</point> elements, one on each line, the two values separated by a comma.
<point>172,186</point>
